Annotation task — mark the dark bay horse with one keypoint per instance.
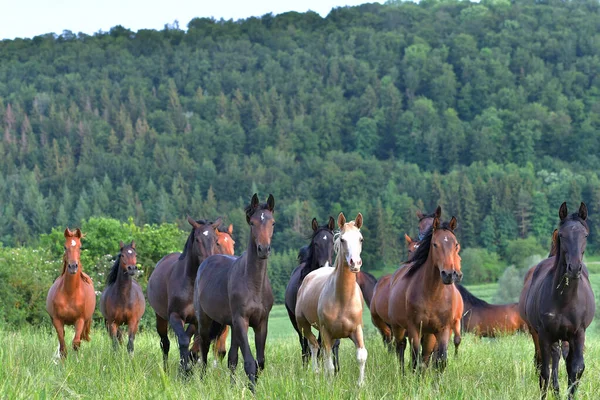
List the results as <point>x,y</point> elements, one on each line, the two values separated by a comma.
<point>316,255</point>
<point>557,302</point>
<point>489,320</point>
<point>71,299</point>
<point>425,220</point>
<point>330,299</point>
<point>122,301</point>
<point>423,301</point>
<point>237,292</point>
<point>171,289</point>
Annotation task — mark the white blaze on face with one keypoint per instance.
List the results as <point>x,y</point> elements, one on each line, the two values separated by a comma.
<point>417,246</point>
<point>325,237</point>
<point>73,243</point>
<point>353,246</point>
<point>130,251</point>
<point>205,233</point>
<point>262,216</point>
<point>445,238</point>
<point>226,239</point>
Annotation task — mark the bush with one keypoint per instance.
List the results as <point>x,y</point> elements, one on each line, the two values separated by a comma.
<point>519,250</point>
<point>510,285</point>
<point>480,266</point>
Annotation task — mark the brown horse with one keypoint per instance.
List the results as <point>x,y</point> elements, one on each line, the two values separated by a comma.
<point>425,220</point>
<point>122,300</point>
<point>236,291</point>
<point>423,301</point>
<point>557,302</point>
<point>225,245</point>
<point>488,320</point>
<point>71,299</point>
<point>330,299</point>
<point>171,290</point>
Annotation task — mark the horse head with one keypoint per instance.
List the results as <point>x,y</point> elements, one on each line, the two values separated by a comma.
<point>444,250</point>
<point>426,220</point>
<point>349,241</point>
<point>225,241</point>
<point>261,221</point>
<point>411,246</point>
<point>322,242</point>
<point>572,239</point>
<point>128,258</point>
<point>72,250</point>
<point>204,237</point>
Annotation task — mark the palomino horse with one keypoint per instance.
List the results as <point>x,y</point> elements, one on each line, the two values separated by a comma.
<point>237,292</point>
<point>71,299</point>
<point>316,255</point>
<point>557,302</point>
<point>225,245</point>
<point>330,299</point>
<point>488,320</point>
<point>171,289</point>
<point>122,300</point>
<point>423,301</point>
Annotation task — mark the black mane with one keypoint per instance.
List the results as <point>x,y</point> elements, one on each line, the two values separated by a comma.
<point>420,256</point>
<point>114,271</point>
<point>470,298</point>
<point>190,240</point>
<point>306,253</point>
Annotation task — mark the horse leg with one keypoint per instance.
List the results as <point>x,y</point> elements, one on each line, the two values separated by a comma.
<point>457,337</point>
<point>575,363</point>
<point>555,348</point>
<point>162,327</point>
<point>312,341</point>
<point>260,339</point>
<point>113,330</point>
<point>442,349</point>
<point>546,353</point>
<point>119,335</point>
<point>184,342</point>
<point>220,346</point>
<point>232,358</point>
<point>78,331</point>
<point>193,353</point>
<point>537,356</point>
<point>240,330</point>
<point>336,355</point>
<point>303,342</point>
<point>361,353</point>
<point>60,331</point>
<point>132,327</point>
<point>384,329</point>
<point>414,339</point>
<point>400,344</point>
<point>428,345</point>
<point>327,343</point>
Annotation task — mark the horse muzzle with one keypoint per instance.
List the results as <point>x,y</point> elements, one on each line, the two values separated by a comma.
<point>131,270</point>
<point>354,265</point>
<point>573,271</point>
<point>72,268</point>
<point>264,251</point>
<point>450,277</point>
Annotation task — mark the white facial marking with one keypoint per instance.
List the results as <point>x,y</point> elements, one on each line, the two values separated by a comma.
<point>417,246</point>
<point>73,243</point>
<point>445,238</point>
<point>262,216</point>
<point>325,237</point>
<point>226,239</point>
<point>129,251</point>
<point>205,233</point>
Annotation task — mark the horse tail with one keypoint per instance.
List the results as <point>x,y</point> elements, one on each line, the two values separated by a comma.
<point>85,335</point>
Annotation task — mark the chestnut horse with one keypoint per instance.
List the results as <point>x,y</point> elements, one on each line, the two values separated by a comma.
<point>122,300</point>
<point>236,291</point>
<point>316,255</point>
<point>71,299</point>
<point>330,299</point>
<point>488,320</point>
<point>225,245</point>
<point>557,302</point>
<point>171,289</point>
<point>423,301</point>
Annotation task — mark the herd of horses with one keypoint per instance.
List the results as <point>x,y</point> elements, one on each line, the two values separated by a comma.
<point>205,289</point>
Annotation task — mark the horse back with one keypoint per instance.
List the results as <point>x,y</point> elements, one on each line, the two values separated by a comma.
<point>309,293</point>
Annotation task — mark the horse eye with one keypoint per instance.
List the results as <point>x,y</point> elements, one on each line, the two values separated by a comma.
<point>434,245</point>
<point>273,223</point>
<point>361,240</point>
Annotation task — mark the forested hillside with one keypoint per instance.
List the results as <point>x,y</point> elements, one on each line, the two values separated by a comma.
<point>490,109</point>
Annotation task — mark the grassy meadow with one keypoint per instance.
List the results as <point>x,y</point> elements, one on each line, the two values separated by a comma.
<point>485,369</point>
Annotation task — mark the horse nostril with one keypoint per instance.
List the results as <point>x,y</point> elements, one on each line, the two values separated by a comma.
<point>268,248</point>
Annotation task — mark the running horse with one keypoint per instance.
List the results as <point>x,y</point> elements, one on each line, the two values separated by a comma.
<point>424,303</point>
<point>236,291</point>
<point>557,302</point>
<point>122,301</point>
<point>171,290</point>
<point>71,299</point>
<point>330,299</point>
<point>316,255</point>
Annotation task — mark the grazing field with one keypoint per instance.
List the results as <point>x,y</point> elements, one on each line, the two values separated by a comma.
<point>485,369</point>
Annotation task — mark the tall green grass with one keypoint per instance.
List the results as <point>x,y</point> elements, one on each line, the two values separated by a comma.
<point>485,369</point>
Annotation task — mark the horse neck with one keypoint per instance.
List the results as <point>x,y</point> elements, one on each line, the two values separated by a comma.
<point>71,282</point>
<point>563,289</point>
<point>124,282</point>
<point>432,281</point>
<point>345,280</point>
<point>192,263</point>
<point>255,268</point>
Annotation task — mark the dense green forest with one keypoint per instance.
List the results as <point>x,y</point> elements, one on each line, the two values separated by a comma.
<point>489,109</point>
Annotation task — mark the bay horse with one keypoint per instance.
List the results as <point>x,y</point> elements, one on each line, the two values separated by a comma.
<point>557,302</point>
<point>316,255</point>
<point>122,301</point>
<point>236,291</point>
<point>423,300</point>
<point>488,320</point>
<point>425,220</point>
<point>171,289</point>
<point>225,245</point>
<point>71,299</point>
<point>330,299</point>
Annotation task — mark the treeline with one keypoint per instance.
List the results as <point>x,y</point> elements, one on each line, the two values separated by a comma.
<point>490,109</point>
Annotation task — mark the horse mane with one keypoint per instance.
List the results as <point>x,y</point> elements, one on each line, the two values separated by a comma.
<point>430,215</point>
<point>422,253</point>
<point>469,297</point>
<point>114,271</point>
<point>190,240</point>
<point>64,264</point>
<point>304,254</point>
<point>223,229</point>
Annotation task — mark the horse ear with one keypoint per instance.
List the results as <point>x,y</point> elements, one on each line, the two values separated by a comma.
<point>216,224</point>
<point>193,223</point>
<point>453,223</point>
<point>420,214</point>
<point>121,244</point>
<point>358,221</point>
<point>407,238</point>
<point>563,211</point>
<point>132,244</point>
<point>271,203</point>
<point>315,225</point>
<point>341,220</point>
<point>436,224</point>
<point>331,223</point>
<point>68,232</point>
<point>230,229</point>
<point>583,211</point>
<point>438,211</point>
<point>78,233</point>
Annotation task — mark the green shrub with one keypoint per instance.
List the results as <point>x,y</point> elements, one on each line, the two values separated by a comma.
<point>480,266</point>
<point>518,251</point>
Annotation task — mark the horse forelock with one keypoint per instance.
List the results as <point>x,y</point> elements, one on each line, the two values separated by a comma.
<point>337,237</point>
<point>422,253</point>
